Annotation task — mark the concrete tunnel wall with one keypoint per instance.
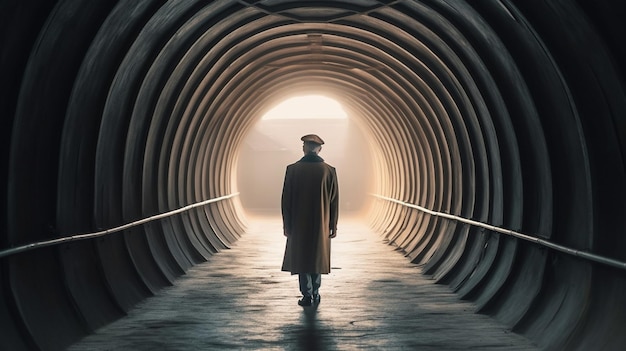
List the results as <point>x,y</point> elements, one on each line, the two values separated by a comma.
<point>507,112</point>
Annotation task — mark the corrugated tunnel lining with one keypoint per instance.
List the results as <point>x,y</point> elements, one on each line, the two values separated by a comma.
<point>503,112</point>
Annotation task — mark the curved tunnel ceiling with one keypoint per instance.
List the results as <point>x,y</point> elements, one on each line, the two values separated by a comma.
<point>505,112</point>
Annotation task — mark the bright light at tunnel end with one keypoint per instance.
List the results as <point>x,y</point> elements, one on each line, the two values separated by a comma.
<point>307,107</point>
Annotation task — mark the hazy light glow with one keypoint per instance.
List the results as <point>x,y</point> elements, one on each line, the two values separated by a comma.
<point>307,107</point>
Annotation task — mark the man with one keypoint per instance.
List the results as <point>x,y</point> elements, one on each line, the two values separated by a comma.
<point>310,206</point>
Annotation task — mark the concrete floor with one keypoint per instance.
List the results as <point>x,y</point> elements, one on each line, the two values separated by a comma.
<point>374,299</point>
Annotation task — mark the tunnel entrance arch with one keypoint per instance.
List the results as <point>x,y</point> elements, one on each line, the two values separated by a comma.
<point>274,142</point>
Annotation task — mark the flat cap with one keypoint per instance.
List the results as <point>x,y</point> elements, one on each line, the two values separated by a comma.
<point>313,138</point>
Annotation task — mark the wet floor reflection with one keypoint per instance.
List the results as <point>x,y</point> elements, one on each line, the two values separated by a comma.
<point>310,333</point>
<point>374,299</point>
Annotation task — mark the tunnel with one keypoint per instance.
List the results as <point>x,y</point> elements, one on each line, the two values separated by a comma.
<point>497,131</point>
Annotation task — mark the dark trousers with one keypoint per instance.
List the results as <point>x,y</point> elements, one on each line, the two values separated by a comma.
<point>310,283</point>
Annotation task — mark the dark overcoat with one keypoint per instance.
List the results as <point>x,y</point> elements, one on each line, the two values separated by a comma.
<point>310,206</point>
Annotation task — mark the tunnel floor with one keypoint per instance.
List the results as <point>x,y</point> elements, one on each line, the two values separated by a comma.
<point>374,299</point>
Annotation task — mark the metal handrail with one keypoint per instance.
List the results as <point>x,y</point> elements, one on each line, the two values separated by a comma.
<point>67,239</point>
<point>578,253</point>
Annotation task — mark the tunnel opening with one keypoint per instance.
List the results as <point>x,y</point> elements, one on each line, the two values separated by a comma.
<point>274,142</point>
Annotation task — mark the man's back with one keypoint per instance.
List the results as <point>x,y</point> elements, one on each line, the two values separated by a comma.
<point>310,208</point>
<point>312,185</point>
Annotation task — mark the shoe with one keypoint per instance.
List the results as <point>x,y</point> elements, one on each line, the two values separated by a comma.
<point>305,301</point>
<point>317,299</point>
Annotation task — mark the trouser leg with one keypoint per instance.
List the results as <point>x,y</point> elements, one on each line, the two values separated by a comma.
<point>316,282</point>
<point>310,283</point>
<point>306,285</point>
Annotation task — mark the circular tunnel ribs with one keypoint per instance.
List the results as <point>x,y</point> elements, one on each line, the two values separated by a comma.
<point>87,236</point>
<point>502,112</point>
<point>586,255</point>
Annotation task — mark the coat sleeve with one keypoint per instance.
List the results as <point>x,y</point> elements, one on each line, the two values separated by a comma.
<point>286,206</point>
<point>334,201</point>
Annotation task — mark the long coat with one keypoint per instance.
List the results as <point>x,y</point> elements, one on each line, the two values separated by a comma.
<point>310,206</point>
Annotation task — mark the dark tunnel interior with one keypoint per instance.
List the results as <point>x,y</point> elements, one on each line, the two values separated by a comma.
<point>509,113</point>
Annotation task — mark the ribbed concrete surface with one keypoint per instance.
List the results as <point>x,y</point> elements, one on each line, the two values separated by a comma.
<point>374,299</point>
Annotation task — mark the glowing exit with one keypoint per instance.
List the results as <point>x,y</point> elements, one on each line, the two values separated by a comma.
<point>307,107</point>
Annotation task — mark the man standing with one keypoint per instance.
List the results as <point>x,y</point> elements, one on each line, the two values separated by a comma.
<point>310,206</point>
